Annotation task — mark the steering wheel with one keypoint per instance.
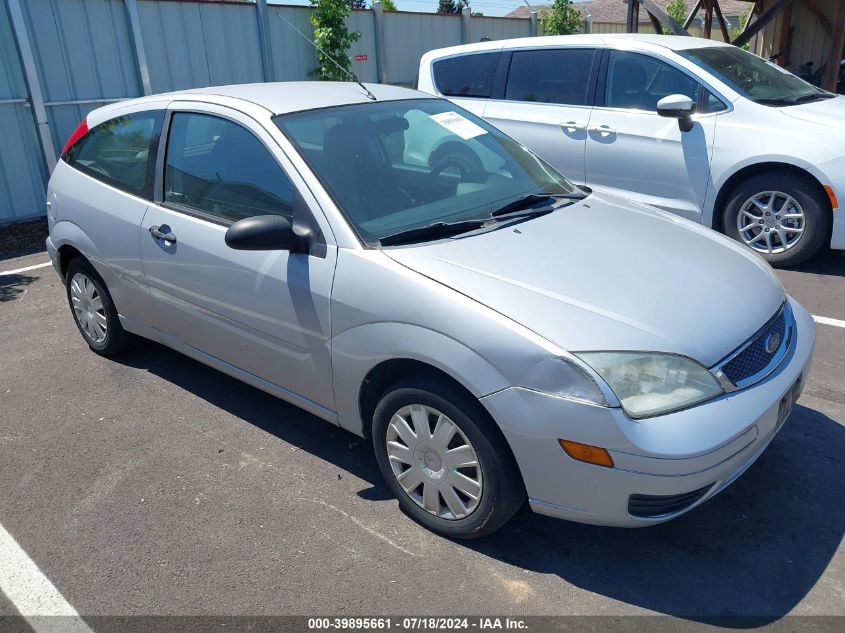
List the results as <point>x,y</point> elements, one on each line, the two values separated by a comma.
<point>452,154</point>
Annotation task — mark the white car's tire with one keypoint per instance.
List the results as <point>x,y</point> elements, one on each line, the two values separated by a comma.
<point>781,215</point>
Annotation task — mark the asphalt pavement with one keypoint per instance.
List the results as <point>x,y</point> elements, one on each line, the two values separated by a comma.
<point>151,484</point>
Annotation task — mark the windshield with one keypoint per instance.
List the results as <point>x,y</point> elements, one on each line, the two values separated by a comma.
<point>753,77</point>
<point>394,166</point>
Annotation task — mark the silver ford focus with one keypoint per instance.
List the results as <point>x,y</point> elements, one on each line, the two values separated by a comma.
<point>396,266</point>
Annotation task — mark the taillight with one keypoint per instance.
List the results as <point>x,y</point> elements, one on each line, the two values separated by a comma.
<point>80,131</point>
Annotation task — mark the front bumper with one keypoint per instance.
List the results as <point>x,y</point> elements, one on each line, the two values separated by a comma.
<point>704,448</point>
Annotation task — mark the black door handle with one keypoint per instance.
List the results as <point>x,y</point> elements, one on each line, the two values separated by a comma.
<point>166,234</point>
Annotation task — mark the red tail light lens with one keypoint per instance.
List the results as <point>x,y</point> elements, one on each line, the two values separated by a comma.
<point>80,131</point>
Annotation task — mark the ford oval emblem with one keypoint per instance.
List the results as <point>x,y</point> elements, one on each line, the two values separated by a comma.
<point>771,343</point>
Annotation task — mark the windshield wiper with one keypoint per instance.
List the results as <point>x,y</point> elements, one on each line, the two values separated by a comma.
<point>529,200</point>
<point>436,229</point>
<point>815,96</point>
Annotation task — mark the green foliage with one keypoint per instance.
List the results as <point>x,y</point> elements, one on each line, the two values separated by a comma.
<point>562,19</point>
<point>677,10</point>
<point>332,36</point>
<point>743,21</point>
<point>449,6</point>
<point>388,5</point>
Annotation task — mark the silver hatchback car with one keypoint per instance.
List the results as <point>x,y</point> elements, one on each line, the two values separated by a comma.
<point>397,266</point>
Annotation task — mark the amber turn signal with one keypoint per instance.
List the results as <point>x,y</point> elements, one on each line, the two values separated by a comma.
<point>834,203</point>
<point>586,453</point>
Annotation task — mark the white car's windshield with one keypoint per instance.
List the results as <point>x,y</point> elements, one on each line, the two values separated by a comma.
<point>398,167</point>
<point>753,77</point>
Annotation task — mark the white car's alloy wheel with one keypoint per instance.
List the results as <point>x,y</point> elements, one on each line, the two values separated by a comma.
<point>434,462</point>
<point>771,222</point>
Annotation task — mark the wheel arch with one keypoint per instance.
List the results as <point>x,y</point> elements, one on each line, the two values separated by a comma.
<point>755,169</point>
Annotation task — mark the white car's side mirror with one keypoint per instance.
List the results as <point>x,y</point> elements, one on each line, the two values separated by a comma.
<point>678,107</point>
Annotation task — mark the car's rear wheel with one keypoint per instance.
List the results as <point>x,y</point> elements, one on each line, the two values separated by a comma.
<point>780,215</point>
<point>449,470</point>
<point>93,309</point>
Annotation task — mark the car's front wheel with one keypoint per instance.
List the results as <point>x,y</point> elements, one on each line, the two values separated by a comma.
<point>448,468</point>
<point>780,215</point>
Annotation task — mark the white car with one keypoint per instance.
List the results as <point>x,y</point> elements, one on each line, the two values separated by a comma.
<point>691,126</point>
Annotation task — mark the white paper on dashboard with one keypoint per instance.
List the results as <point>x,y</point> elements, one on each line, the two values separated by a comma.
<point>459,125</point>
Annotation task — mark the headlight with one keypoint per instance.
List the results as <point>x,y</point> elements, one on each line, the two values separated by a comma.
<point>653,384</point>
<point>560,377</point>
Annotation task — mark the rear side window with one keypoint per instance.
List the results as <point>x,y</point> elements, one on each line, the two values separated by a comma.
<point>221,169</point>
<point>120,152</point>
<point>551,76</point>
<point>466,75</point>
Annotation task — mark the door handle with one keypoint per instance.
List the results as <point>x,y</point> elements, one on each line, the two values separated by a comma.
<point>166,234</point>
<point>601,129</point>
<point>572,126</point>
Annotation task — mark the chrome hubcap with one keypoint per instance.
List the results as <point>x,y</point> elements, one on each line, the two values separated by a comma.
<point>434,462</point>
<point>88,308</point>
<point>771,222</point>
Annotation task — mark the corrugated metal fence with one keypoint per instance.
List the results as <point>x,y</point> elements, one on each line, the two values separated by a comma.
<point>59,59</point>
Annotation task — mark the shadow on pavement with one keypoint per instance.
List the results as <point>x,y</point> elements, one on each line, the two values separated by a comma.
<point>13,286</point>
<point>826,262</point>
<point>753,552</point>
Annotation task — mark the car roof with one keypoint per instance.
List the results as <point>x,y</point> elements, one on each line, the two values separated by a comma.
<point>280,97</point>
<point>643,41</point>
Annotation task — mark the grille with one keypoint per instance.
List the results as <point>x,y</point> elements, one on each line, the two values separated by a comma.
<point>754,358</point>
<point>652,506</point>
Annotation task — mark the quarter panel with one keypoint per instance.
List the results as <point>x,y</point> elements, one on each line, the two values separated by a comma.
<point>102,223</point>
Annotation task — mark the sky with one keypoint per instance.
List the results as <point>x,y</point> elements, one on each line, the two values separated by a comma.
<point>487,7</point>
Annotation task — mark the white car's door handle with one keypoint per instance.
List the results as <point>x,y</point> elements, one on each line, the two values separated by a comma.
<point>572,126</point>
<point>601,129</point>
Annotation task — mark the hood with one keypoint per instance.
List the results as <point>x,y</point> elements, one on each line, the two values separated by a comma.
<point>830,113</point>
<point>606,274</point>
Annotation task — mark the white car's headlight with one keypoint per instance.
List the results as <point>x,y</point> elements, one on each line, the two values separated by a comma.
<point>564,378</point>
<point>653,384</point>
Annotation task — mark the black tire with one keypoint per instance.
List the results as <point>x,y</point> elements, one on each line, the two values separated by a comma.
<point>502,493</point>
<point>115,337</point>
<point>817,215</point>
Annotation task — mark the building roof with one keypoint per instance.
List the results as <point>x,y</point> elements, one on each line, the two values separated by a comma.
<point>616,11</point>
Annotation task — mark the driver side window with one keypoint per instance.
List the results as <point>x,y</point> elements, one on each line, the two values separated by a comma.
<point>220,169</point>
<point>638,82</point>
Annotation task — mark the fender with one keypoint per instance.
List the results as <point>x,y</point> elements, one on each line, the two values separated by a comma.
<point>359,349</point>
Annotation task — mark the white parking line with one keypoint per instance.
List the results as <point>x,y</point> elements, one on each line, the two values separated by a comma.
<point>828,321</point>
<point>24,269</point>
<point>33,595</point>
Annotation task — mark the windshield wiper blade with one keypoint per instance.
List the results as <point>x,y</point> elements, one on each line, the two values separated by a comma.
<point>814,97</point>
<point>529,200</point>
<point>437,229</point>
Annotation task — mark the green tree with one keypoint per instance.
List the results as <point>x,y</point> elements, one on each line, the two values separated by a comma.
<point>449,6</point>
<point>562,19</point>
<point>743,21</point>
<point>388,5</point>
<point>677,10</point>
<point>331,35</point>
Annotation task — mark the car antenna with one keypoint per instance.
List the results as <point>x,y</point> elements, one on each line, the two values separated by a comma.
<point>352,76</point>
